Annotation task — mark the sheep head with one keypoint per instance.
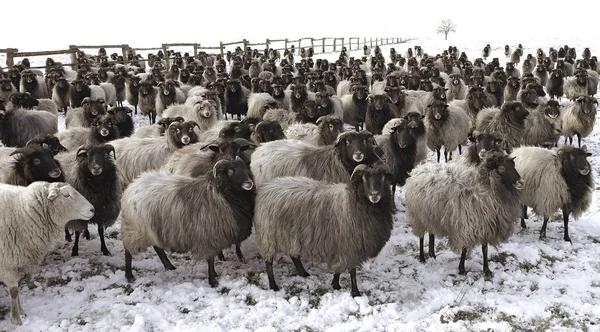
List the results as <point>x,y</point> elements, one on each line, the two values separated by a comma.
<point>586,104</point>
<point>37,164</point>
<point>234,173</point>
<point>373,182</point>
<point>500,164</point>
<point>46,142</point>
<point>267,131</point>
<point>574,161</point>
<point>96,158</point>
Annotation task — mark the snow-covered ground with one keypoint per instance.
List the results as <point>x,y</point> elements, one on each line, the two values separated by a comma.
<point>538,285</point>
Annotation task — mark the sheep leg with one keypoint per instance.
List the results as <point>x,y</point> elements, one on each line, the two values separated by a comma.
<point>238,252</point>
<point>354,291</point>
<point>163,258</point>
<point>272,283</point>
<point>335,283</point>
<point>128,272</point>
<point>135,109</point>
<point>422,249</point>
<point>356,127</point>
<point>445,155</point>
<point>459,149</point>
<point>570,140</point>
<point>543,230</point>
<point>461,265</point>
<point>524,215</point>
<point>432,246</point>
<point>488,275</point>
<point>103,247</point>
<point>212,275</point>
<point>566,213</point>
<point>438,154</point>
<point>15,317</point>
<point>75,250</point>
<point>19,306</point>
<point>578,140</point>
<point>394,190</point>
<point>299,267</point>
<point>68,237</point>
<point>86,234</point>
<point>221,256</point>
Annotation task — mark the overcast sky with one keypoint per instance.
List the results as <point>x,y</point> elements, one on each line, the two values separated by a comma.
<point>147,24</point>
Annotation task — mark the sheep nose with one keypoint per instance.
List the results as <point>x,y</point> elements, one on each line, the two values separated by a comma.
<point>185,139</point>
<point>92,210</point>
<point>584,171</point>
<point>55,173</point>
<point>206,114</point>
<point>374,197</point>
<point>104,132</point>
<point>358,156</point>
<point>438,116</point>
<point>96,170</point>
<point>519,184</point>
<point>248,185</point>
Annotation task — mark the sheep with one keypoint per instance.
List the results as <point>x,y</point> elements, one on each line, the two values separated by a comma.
<point>267,131</point>
<point>494,92</point>
<point>355,106</point>
<point>456,88</point>
<point>555,180</point>
<point>110,93</point>
<point>329,104</point>
<point>324,132</point>
<point>468,205</point>
<point>132,88</point>
<point>92,172</point>
<point>221,203</point>
<point>512,89</point>
<point>541,73</point>
<point>60,93</point>
<point>84,116</point>
<point>6,88</point>
<point>123,120</point>
<point>259,103</point>
<point>78,92</point>
<point>579,119</point>
<point>103,129</point>
<point>203,112</point>
<point>138,155</point>
<point>21,100</point>
<point>331,163</point>
<point>358,217</point>
<point>506,123</point>
<point>593,78</point>
<point>543,126</point>
<point>284,117</point>
<point>482,144</point>
<point>576,86</point>
<point>147,100</point>
<point>32,230</point>
<point>168,94</point>
<point>20,125</point>
<point>380,110</point>
<point>31,164</point>
<point>33,84</point>
<point>446,126</point>
<point>475,101</point>
<point>157,129</point>
<point>236,98</point>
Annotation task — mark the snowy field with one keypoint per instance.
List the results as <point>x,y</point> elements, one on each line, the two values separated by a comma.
<point>538,285</point>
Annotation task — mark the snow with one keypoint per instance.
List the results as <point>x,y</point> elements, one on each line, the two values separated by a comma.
<point>537,285</point>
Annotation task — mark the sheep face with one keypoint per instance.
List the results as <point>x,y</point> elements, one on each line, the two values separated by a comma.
<point>29,80</point>
<point>409,130</point>
<point>557,74</point>
<point>79,85</point>
<point>236,130</point>
<point>308,112</point>
<point>234,85</point>
<point>168,88</point>
<point>504,166</point>
<point>205,108</point>
<point>494,86</point>
<point>486,143</point>
<point>37,164</point>
<point>395,93</point>
<point>376,181</point>
<point>574,160</point>
<point>587,104</point>
<point>62,83</point>
<point>437,110</point>
<point>96,158</point>
<point>265,86</point>
<point>299,91</point>
<point>541,69</point>
<point>93,107</point>
<point>359,92</point>
<point>356,146</point>
<point>322,99</point>
<point>455,79</point>
<point>277,91</point>
<point>582,78</point>
<point>379,101</point>
<point>6,85</point>
<point>529,97</point>
<point>515,111</point>
<point>195,80</point>
<point>235,174</point>
<point>93,79</point>
<point>146,88</point>
<point>391,81</point>
<point>476,98</point>
<point>267,131</point>
<point>106,126</point>
<point>552,109</point>
<point>23,99</point>
<point>439,93</point>
<point>183,133</point>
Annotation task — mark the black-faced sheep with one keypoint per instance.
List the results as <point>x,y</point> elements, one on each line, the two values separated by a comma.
<point>555,180</point>
<point>32,164</point>
<point>6,87</point>
<point>359,215</point>
<point>512,89</point>
<point>267,131</point>
<point>33,84</point>
<point>124,121</point>
<point>506,123</point>
<point>20,125</point>
<point>60,94</point>
<point>324,132</point>
<point>86,114</point>
<point>475,101</point>
<point>472,205</point>
<point>576,86</point>
<point>103,129</point>
<point>482,144</point>
<point>147,99</point>
<point>37,216</point>
<point>236,99</point>
<point>149,219</point>
<point>132,88</point>
<point>380,110</point>
<point>355,106</point>
<point>579,119</point>
<point>78,92</point>
<point>447,126</point>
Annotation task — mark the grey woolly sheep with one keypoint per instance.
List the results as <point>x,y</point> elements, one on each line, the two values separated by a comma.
<point>110,93</point>
<point>168,94</point>
<point>469,205</point>
<point>330,163</point>
<point>47,105</point>
<point>358,217</point>
<point>446,126</point>
<point>576,86</point>
<point>60,93</point>
<point>103,129</point>
<point>147,100</point>
<point>543,126</point>
<point>157,129</point>
<point>259,103</point>
<point>31,230</point>
<point>284,117</point>
<point>92,172</point>
<point>138,155</point>
<point>456,88</point>
<point>86,114</point>
<point>593,78</point>
<point>20,125</point>
<point>203,112</point>
<point>324,132</point>
<point>512,89</point>
<point>541,73</point>
<point>506,123</point>
<point>404,103</point>
<point>267,131</point>
<point>579,119</point>
<point>555,180</point>
<point>33,84</point>
<point>221,204</point>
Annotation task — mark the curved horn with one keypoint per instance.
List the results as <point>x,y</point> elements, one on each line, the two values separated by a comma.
<point>86,100</point>
<point>320,119</point>
<point>220,162</point>
<point>21,150</point>
<point>194,124</point>
<point>358,171</point>
<point>109,148</point>
<point>81,149</point>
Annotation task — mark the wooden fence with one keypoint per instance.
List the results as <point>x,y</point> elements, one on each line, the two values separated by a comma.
<point>319,46</point>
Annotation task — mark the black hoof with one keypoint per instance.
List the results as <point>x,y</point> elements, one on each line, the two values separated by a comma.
<point>462,272</point>
<point>488,276</point>
<point>213,283</point>
<point>355,294</point>
<point>274,288</point>
<point>170,267</point>
<point>74,253</point>
<point>106,253</point>
<point>130,278</point>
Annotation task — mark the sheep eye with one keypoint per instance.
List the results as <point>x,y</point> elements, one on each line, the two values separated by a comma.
<point>179,131</point>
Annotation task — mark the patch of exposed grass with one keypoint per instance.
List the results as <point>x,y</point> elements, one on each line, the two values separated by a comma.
<point>184,311</point>
<point>224,291</point>
<point>127,289</point>
<point>502,258</point>
<point>250,301</point>
<point>526,266</point>
<point>56,281</point>
<point>252,278</point>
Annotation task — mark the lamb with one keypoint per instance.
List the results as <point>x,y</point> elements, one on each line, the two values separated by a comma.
<point>380,110</point>
<point>579,119</point>
<point>138,155</point>
<point>78,92</point>
<point>157,129</point>
<point>357,214</point>
<point>259,103</point>
<point>26,237</point>
<point>331,163</point>
<point>203,112</point>
<point>267,131</point>
<point>236,98</point>
<point>446,126</point>
<point>324,132</point>
<point>123,119</point>
<point>103,129</point>
<point>355,106</point>
<point>33,84</point>
<point>168,94</point>
<point>221,204</point>
<point>92,172</point>
<point>576,86</point>
<point>456,88</point>
<point>543,126</point>
<point>132,88</point>
<point>506,123</point>
<point>84,116</point>
<point>468,205</point>
<point>32,164</point>
<point>147,100</point>
<point>20,125</point>
<point>555,180</point>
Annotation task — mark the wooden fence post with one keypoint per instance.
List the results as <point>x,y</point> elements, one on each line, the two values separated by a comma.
<point>343,43</point>
<point>10,61</point>
<point>312,43</point>
<point>124,49</point>
<point>267,43</point>
<point>323,46</point>
<point>285,45</point>
<point>73,57</point>
<point>245,46</point>
<point>196,49</point>
<point>371,42</point>
<point>222,49</point>
<point>299,45</point>
<point>164,48</point>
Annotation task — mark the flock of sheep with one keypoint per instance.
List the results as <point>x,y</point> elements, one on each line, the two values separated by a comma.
<point>288,168</point>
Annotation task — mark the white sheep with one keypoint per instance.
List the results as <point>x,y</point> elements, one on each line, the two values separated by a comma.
<point>579,118</point>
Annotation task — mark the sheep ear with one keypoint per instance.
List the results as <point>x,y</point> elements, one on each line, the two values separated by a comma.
<point>81,152</point>
<point>52,194</point>
<point>588,154</point>
<point>109,148</point>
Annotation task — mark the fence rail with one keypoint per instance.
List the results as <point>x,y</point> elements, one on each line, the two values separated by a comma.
<point>319,46</point>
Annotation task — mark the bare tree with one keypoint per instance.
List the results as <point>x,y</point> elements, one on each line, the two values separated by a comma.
<point>445,27</point>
